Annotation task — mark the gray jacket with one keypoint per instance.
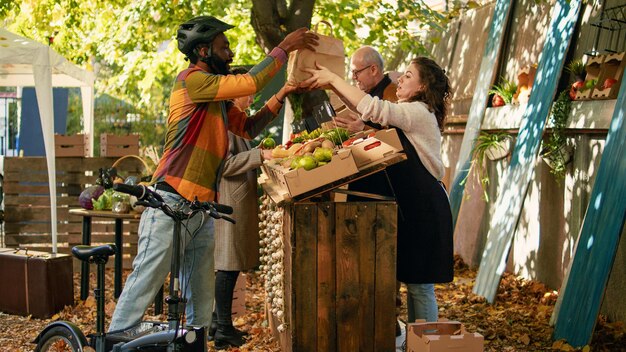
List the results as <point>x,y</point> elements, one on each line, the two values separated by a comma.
<point>237,246</point>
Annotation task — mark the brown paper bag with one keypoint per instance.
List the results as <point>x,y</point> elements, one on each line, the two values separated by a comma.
<point>329,53</point>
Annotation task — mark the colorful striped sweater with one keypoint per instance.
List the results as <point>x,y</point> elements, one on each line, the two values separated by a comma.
<point>196,142</point>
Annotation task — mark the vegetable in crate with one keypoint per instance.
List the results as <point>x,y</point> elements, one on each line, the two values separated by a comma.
<point>337,135</point>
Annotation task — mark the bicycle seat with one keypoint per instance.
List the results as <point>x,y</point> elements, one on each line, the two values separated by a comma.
<point>85,253</point>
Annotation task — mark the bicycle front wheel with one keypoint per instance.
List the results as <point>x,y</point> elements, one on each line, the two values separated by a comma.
<point>58,339</point>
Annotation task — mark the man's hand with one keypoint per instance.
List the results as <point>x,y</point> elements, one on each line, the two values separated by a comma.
<point>299,39</point>
<point>289,88</point>
<point>349,121</point>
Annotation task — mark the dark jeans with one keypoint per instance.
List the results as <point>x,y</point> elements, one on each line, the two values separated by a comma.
<point>224,286</point>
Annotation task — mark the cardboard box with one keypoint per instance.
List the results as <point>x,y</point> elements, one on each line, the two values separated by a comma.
<point>442,336</point>
<point>592,69</point>
<point>382,144</point>
<point>72,145</point>
<point>295,182</point>
<point>613,68</point>
<point>112,145</point>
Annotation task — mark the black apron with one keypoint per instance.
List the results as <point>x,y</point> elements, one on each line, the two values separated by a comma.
<point>425,233</point>
<point>376,183</point>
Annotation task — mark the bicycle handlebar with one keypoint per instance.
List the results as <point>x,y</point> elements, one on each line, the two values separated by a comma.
<point>220,208</point>
<point>146,196</point>
<point>139,191</point>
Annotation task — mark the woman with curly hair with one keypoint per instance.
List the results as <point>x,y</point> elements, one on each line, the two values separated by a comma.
<point>425,244</point>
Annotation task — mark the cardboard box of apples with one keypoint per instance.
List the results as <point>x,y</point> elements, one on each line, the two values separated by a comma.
<point>308,161</point>
<point>313,159</point>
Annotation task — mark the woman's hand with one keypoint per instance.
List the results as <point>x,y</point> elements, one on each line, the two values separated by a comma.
<point>321,78</point>
<point>266,154</point>
<point>350,121</point>
<point>287,89</point>
<point>299,39</point>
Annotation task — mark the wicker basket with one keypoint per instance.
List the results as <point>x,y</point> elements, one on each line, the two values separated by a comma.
<point>133,165</point>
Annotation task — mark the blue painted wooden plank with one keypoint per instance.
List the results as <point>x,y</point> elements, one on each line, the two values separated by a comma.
<point>511,196</point>
<point>582,291</point>
<point>479,102</point>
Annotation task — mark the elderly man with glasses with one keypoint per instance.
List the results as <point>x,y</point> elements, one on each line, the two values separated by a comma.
<point>366,70</point>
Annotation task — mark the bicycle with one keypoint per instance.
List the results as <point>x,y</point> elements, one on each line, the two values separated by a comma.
<point>146,335</point>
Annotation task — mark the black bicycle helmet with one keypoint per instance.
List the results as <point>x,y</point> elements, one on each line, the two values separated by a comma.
<point>199,30</point>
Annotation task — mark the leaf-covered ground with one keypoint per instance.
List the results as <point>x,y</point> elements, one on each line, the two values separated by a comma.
<point>518,321</point>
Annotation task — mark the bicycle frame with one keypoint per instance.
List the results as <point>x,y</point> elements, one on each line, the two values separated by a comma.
<point>156,335</point>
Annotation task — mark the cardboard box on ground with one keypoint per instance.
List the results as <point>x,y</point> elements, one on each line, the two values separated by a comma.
<point>442,336</point>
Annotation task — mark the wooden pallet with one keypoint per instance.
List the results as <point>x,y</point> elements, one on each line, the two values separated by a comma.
<point>577,308</point>
<point>479,102</point>
<point>27,205</point>
<point>513,190</point>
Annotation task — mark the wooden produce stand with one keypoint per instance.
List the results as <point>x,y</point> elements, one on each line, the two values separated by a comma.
<point>335,286</point>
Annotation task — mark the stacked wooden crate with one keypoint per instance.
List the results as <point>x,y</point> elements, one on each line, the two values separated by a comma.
<point>71,145</point>
<point>339,277</point>
<point>113,145</point>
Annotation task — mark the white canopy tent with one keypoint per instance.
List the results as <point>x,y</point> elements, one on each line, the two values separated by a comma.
<point>25,62</point>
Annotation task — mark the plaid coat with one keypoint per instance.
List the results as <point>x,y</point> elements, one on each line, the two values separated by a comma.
<point>237,245</point>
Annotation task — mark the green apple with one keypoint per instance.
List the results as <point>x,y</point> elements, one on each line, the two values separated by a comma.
<point>590,83</point>
<point>323,154</point>
<point>268,143</point>
<point>307,162</point>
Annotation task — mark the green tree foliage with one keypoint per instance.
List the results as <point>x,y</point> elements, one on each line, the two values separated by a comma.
<point>130,44</point>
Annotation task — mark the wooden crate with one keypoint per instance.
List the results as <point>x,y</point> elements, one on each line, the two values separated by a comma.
<point>339,277</point>
<point>73,145</point>
<point>112,145</point>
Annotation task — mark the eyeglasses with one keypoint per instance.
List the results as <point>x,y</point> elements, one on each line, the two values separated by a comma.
<point>355,73</point>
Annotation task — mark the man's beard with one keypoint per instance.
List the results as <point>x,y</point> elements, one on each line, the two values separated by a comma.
<point>218,65</point>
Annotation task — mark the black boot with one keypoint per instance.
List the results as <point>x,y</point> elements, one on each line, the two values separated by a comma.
<point>213,327</point>
<point>228,336</point>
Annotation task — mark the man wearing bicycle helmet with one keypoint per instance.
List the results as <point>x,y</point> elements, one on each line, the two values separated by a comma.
<point>196,145</point>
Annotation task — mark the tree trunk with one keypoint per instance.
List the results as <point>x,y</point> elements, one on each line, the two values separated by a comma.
<point>272,20</point>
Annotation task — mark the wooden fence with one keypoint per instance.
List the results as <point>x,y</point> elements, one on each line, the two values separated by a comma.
<point>27,204</point>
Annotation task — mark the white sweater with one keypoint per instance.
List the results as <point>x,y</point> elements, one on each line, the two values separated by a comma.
<point>415,120</point>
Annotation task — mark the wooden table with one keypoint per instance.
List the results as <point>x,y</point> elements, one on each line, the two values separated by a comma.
<point>119,221</point>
